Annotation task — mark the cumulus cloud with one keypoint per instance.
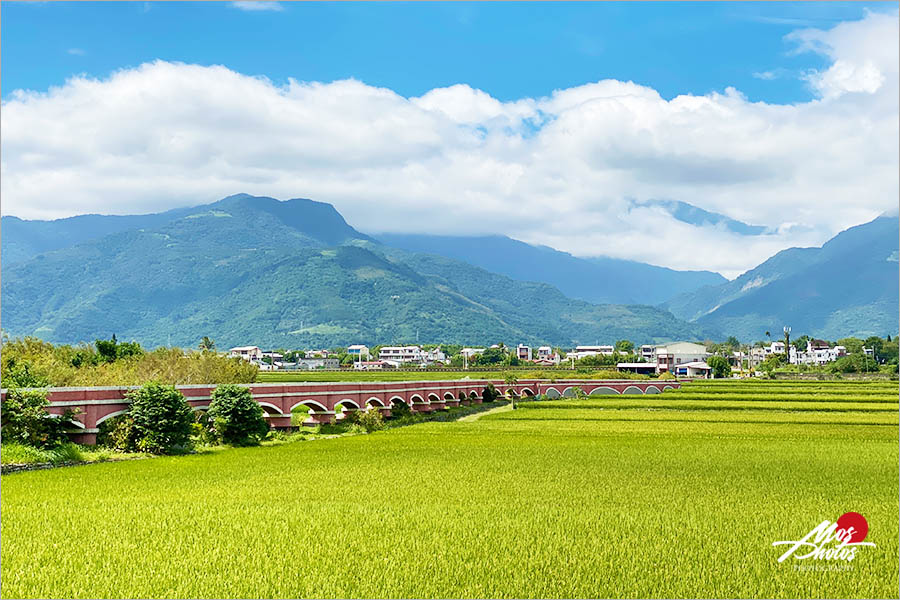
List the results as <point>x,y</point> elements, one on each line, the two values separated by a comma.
<point>561,170</point>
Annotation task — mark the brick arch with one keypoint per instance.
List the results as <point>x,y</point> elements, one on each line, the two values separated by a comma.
<point>318,406</point>
<point>604,390</point>
<point>263,404</point>
<point>527,392</point>
<point>371,401</point>
<point>345,402</point>
<point>552,392</point>
<point>111,415</point>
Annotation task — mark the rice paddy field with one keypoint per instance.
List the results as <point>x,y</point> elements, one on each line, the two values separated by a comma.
<point>676,495</point>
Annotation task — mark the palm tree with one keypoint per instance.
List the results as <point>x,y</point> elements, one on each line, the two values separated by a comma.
<point>206,344</point>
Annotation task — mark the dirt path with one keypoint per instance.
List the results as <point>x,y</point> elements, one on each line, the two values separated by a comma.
<point>478,415</point>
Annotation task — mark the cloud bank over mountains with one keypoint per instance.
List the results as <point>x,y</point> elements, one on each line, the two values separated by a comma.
<point>574,170</point>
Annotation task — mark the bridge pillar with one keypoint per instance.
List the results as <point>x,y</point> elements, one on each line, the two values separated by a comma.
<point>279,421</point>
<point>385,411</point>
<point>319,418</point>
<point>451,403</point>
<point>438,404</point>
<point>347,413</point>
<point>84,438</point>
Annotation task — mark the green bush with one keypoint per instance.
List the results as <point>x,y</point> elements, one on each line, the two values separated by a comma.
<point>720,366</point>
<point>117,433</point>
<point>160,419</point>
<point>370,420</point>
<point>235,417</point>
<point>490,393</point>
<point>665,375</point>
<point>24,418</point>
<point>400,409</point>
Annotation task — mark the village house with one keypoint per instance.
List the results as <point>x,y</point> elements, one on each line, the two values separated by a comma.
<point>248,353</point>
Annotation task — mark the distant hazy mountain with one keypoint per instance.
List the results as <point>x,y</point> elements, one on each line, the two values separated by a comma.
<point>256,270</point>
<point>693,215</point>
<point>601,280</point>
<point>849,286</point>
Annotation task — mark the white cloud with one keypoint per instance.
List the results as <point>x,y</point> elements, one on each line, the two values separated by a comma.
<point>76,51</point>
<point>257,5</point>
<point>560,170</point>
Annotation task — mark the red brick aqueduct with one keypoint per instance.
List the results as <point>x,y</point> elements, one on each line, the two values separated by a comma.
<point>95,405</point>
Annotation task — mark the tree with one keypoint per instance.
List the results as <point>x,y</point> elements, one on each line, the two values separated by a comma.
<point>720,366</point>
<point>160,418</point>
<point>235,417</point>
<point>107,349</point>
<point>24,418</point>
<point>20,374</point>
<point>852,344</point>
<point>733,343</point>
<point>206,344</point>
<point>510,379</point>
<point>491,356</point>
<point>876,344</point>
<point>624,346</point>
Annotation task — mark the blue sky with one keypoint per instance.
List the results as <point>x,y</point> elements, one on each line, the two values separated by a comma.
<point>510,50</point>
<point>563,124</point>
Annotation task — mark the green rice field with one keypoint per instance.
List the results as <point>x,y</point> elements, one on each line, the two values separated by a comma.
<point>674,495</point>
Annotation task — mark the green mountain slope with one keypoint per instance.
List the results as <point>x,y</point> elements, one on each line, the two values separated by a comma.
<point>601,279</point>
<point>255,270</point>
<point>849,286</point>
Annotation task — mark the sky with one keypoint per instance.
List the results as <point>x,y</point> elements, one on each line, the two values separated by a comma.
<point>554,123</point>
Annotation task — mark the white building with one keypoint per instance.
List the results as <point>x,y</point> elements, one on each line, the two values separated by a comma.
<point>668,356</point>
<point>523,352</point>
<point>775,348</point>
<point>693,369</point>
<point>436,355</point>
<point>647,352</point>
<point>402,354</point>
<point>375,365</point>
<point>470,352</point>
<point>583,351</point>
<point>248,353</point>
<point>358,350</point>
<point>818,352</point>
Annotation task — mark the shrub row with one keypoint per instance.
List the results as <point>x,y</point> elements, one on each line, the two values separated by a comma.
<point>160,421</point>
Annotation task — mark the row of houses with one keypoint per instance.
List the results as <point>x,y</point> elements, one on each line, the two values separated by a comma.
<point>685,359</point>
<point>818,352</point>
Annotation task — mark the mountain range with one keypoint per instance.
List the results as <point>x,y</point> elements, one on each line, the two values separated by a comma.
<point>599,280</point>
<point>849,286</point>
<point>257,270</point>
